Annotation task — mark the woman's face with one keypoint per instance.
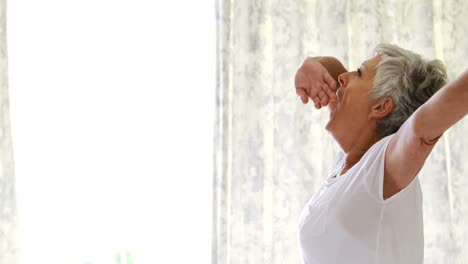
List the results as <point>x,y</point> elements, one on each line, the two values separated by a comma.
<point>352,110</point>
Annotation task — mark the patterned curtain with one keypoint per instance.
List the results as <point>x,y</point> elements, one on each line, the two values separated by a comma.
<point>8,252</point>
<point>272,152</point>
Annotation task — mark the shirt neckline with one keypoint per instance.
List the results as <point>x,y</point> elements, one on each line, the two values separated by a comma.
<point>332,179</point>
<point>337,177</point>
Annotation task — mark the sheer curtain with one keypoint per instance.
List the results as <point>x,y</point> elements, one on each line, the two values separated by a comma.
<point>7,180</point>
<point>272,152</point>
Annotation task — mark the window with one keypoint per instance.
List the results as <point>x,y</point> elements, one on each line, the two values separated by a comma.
<point>112,109</point>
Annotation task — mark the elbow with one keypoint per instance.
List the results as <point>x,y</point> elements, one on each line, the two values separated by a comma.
<point>421,128</point>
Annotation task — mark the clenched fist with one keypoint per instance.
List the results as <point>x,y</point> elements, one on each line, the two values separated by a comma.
<point>315,82</point>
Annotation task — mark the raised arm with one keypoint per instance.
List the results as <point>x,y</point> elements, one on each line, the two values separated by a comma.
<point>317,79</point>
<point>335,68</point>
<point>444,109</point>
<point>411,145</point>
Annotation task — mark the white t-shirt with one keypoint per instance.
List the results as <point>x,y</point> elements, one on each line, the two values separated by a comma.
<point>347,221</point>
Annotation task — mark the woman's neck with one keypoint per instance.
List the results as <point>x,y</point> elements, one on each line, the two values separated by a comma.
<point>355,148</point>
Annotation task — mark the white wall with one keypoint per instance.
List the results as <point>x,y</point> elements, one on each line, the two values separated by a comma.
<point>112,107</point>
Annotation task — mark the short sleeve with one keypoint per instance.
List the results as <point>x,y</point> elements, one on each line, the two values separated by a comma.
<point>373,168</point>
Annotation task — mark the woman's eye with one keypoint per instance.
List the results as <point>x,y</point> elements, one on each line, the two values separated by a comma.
<point>358,72</point>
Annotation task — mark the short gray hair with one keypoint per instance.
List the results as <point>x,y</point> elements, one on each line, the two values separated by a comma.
<point>408,79</point>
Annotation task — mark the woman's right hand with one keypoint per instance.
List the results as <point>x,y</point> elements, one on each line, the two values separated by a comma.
<point>315,82</point>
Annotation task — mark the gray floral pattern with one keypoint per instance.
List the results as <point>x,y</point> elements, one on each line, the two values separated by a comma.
<point>272,152</point>
<point>8,245</point>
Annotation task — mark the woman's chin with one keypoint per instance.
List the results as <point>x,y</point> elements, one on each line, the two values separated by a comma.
<point>331,121</point>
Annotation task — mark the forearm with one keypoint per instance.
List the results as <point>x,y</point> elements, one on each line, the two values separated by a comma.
<point>443,109</point>
<point>335,68</point>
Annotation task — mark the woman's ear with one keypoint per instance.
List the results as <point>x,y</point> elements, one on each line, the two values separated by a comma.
<point>381,108</point>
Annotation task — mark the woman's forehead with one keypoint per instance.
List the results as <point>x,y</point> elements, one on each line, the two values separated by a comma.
<point>371,64</point>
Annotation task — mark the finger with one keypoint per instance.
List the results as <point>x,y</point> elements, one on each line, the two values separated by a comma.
<point>300,91</point>
<point>330,93</point>
<point>302,94</point>
<point>317,106</point>
<point>322,95</point>
<point>316,101</point>
<point>314,98</point>
<point>324,101</point>
<point>315,89</point>
<point>301,80</point>
<point>323,98</point>
<point>330,81</point>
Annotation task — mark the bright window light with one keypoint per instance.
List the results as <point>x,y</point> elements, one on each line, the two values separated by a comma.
<point>112,111</point>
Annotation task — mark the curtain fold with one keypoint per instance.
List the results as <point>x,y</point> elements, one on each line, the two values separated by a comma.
<point>8,245</point>
<point>272,152</point>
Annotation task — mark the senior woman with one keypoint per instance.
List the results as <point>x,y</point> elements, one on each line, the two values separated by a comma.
<point>386,117</point>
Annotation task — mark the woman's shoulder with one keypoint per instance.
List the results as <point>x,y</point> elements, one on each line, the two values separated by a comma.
<point>379,146</point>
